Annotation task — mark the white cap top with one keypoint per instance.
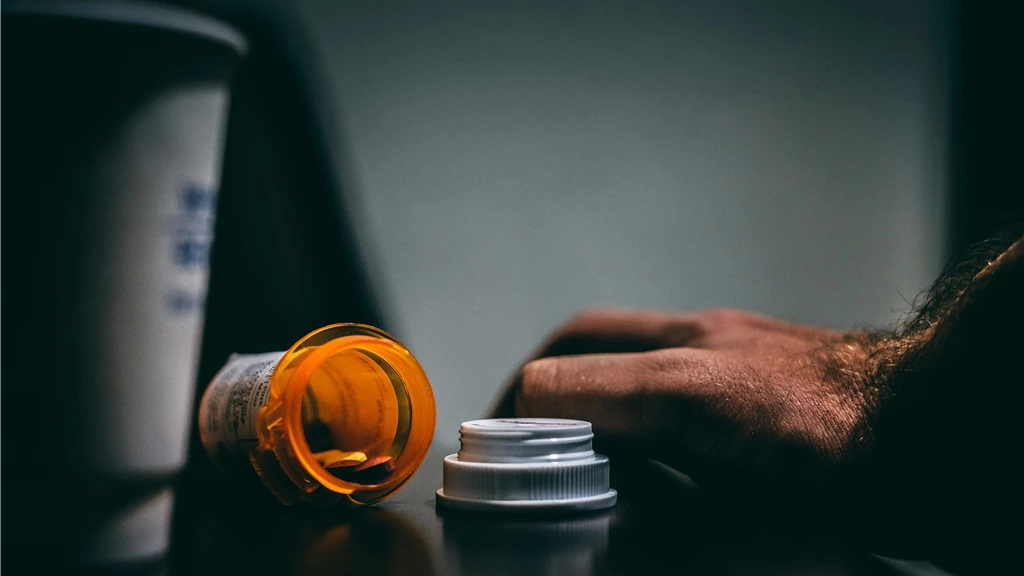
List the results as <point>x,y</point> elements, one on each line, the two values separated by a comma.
<point>526,464</point>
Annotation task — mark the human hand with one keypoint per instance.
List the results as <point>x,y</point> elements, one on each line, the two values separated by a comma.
<point>728,397</point>
<point>911,433</point>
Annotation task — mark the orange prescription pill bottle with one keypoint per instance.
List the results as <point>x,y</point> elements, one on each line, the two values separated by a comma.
<point>344,416</point>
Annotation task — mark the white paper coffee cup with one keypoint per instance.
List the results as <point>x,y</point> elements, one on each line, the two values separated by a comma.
<point>115,119</point>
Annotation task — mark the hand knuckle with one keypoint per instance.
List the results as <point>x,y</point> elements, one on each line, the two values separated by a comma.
<point>538,374</point>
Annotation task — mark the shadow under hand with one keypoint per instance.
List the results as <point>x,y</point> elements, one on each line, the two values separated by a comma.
<point>666,523</point>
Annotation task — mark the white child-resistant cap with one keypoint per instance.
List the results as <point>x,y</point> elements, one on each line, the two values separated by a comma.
<point>526,465</point>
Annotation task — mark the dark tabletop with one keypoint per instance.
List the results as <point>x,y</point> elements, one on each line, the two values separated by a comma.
<point>662,524</point>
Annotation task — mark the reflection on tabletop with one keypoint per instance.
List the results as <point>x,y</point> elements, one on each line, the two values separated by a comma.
<point>662,524</point>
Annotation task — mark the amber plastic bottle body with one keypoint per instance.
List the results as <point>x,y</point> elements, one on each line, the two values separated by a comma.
<point>346,415</point>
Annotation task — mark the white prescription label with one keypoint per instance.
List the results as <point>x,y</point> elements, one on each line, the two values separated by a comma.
<point>227,415</point>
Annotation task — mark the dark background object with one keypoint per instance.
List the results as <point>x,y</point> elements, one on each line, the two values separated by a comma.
<point>987,121</point>
<point>285,259</point>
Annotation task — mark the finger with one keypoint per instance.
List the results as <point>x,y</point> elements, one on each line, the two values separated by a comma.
<point>608,331</point>
<point>611,330</point>
<point>605,331</point>
<point>640,395</point>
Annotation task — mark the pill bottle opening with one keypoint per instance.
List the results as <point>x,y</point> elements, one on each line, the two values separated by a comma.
<point>360,411</point>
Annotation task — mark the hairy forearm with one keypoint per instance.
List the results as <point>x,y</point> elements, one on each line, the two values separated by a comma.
<point>949,383</point>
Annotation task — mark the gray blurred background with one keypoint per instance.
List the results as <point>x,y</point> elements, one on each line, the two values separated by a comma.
<point>515,163</point>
